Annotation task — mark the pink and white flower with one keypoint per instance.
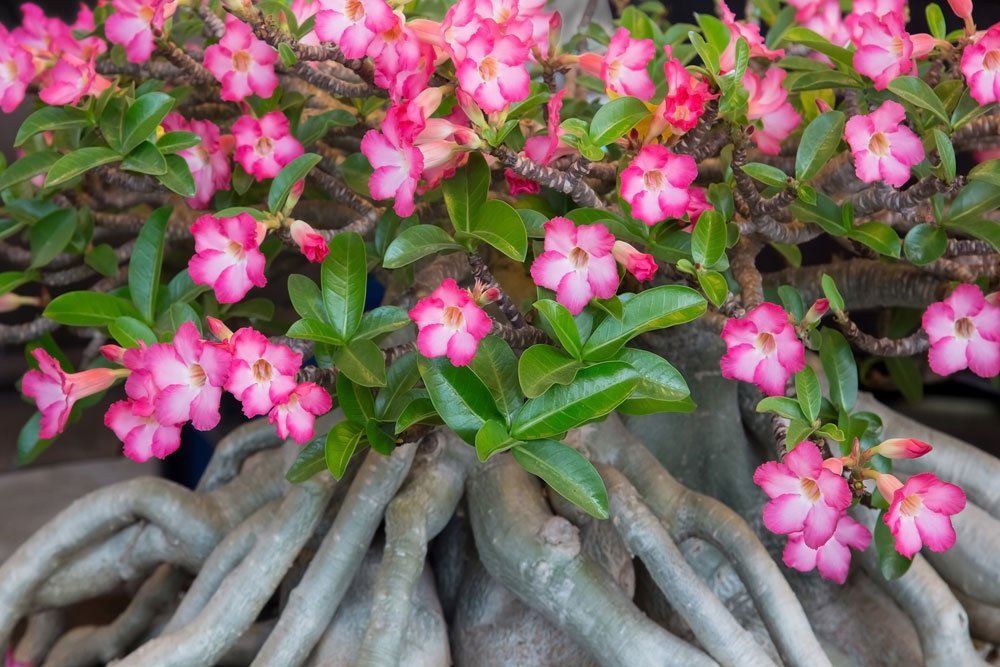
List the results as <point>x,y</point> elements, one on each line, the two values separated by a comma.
<point>262,373</point>
<point>877,8</point>
<point>884,50</point>
<point>833,558</point>
<point>208,161</point>
<point>493,70</point>
<point>920,514</point>
<point>449,323</point>
<point>684,102</point>
<point>981,66</point>
<point>964,332</point>
<point>403,63</point>
<point>143,435</point>
<point>266,145</point>
<point>805,497</point>
<point>769,105</point>
<point>749,32</point>
<point>699,204</point>
<point>17,70</point>
<point>657,184</point>
<point>132,23</point>
<point>243,64</point>
<point>353,24</point>
<point>883,148</point>
<point>623,68</point>
<point>639,264</point>
<point>296,416</point>
<point>227,256</point>
<point>577,263</point>
<point>70,81</point>
<point>56,391</point>
<point>396,162</point>
<point>310,242</point>
<point>541,149</point>
<point>762,348</point>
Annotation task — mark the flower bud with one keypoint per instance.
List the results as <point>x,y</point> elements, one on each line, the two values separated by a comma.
<point>113,353</point>
<point>816,311</point>
<point>310,242</point>
<point>10,302</point>
<point>901,448</point>
<point>639,264</point>
<point>219,329</point>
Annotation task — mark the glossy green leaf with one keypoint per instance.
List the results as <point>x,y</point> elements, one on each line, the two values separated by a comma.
<point>50,119</point>
<point>142,118</point>
<point>172,142</point>
<point>341,444</point>
<point>715,286</point>
<point>11,280</point>
<point>112,121</point>
<point>808,394</point>
<point>878,236</point>
<point>418,411</point>
<point>840,369</point>
<point>378,439</point>
<point>661,387</point>
<point>180,289</point>
<point>986,230</point>
<point>145,159</point>
<point>946,151</point>
<point>306,298</point>
<point>819,143</point>
<point>974,201</point>
<point>782,406</point>
<point>824,80</point>
<point>891,563</point>
<point>708,239</point>
<point>50,235</point>
<point>78,162</point>
<point>925,243</point>
<point>102,258</point>
<point>356,401</point>
<point>557,321</point>
<point>29,445</point>
<point>361,361</point>
<point>806,37</point>
<point>401,377</point>
<point>129,332</point>
<point>315,330</point>
<point>178,177</point>
<point>493,438</point>
<point>146,262</point>
<point>344,281</point>
<point>497,223</point>
<point>496,365</point>
<point>935,20</point>
<point>460,397</point>
<point>542,366</point>
<point>89,309</point>
<point>613,120</point>
<point>382,320</point>
<point>916,91</point>
<point>417,242</point>
<point>831,293</point>
<point>29,166</point>
<point>466,191</point>
<point>310,462</point>
<point>766,174</point>
<point>567,472</point>
<point>290,174</point>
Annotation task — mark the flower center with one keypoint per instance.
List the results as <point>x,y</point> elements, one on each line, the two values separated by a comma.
<point>261,371</point>
<point>579,258</point>
<point>354,10</point>
<point>264,146</point>
<point>766,343</point>
<point>452,317</point>
<point>992,60</point>
<point>197,374</point>
<point>897,46</point>
<point>653,180</point>
<point>235,249</point>
<point>879,144</point>
<point>810,489</point>
<point>242,61</point>
<point>147,14</point>
<point>965,328</point>
<point>488,68</point>
<point>911,505</point>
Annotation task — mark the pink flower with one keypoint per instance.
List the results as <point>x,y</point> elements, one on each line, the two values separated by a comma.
<point>188,374</point>
<point>353,24</point>
<point>696,206</point>
<point>243,64</point>
<point>264,146</point>
<point>132,24</point>
<point>227,256</point>
<point>981,66</point>
<point>749,32</point>
<point>656,184</point>
<point>684,102</point>
<point>16,71</point>
<point>805,496</point>
<point>623,68</point>
<point>449,323</point>
<point>964,331</point>
<point>494,68</point>
<point>396,162</point>
<point>208,161</point>
<point>143,435</point>
<point>762,348</point>
<point>403,63</point>
<point>769,104</point>
<point>961,8</point>
<point>884,50</point>
<point>639,264</point>
<point>71,80</point>
<point>884,150</point>
<point>310,242</point>
<point>577,263</point>
<point>55,391</point>
<point>877,8</point>
<point>901,448</point>
<point>296,416</point>
<point>262,373</point>
<point>920,514</point>
<point>827,21</point>
<point>541,149</point>
<point>833,559</point>
<point>466,17</point>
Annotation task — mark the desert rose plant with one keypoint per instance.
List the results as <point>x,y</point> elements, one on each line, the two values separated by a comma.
<point>590,238</point>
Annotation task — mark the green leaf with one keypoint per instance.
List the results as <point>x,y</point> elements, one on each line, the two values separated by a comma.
<point>661,387</point>
<point>975,200</point>
<point>290,174</point>
<point>765,173</point>
<point>840,369</point>
<point>310,329</point>
<point>493,438</point>
<point>946,151</point>
<point>935,20</point>
<point>129,332</point>
<point>341,444</point>
<point>142,118</point>
<point>79,161</point>
<point>419,411</point>
<point>832,294</point>
<point>596,391</point>
<point>878,236</point>
<point>708,239</point>
<point>50,119</point>
<point>988,172</point>
<point>460,397</point>
<point>172,142</point>
<point>925,243</point>
<point>780,405</point>
<point>714,285</point>
<point>102,258</point>
<point>310,461</point>
<point>306,298</point>
<point>496,366</point>
<point>567,472</point>
<point>792,301</point>
<point>27,167</point>
<point>542,366</point>
<point>11,280</point>
<point>824,80</point>
<point>466,192</point>
<point>613,120</point>
<point>380,441</point>
<point>401,376</point>
<point>715,31</point>
<point>176,315</point>
<point>798,430</point>
<point>112,122</point>
<point>806,37</point>
<point>382,320</point>
<point>557,321</point>
<point>497,223</point>
<point>344,279</point>
<point>415,243</point>
<point>180,289</point>
<point>656,308</point>
<point>29,445</point>
<point>987,230</point>
<point>145,159</point>
<point>287,55</point>
<point>892,563</point>
<point>907,376</point>
<point>146,262</point>
<point>915,91</point>
<point>178,177</point>
<point>313,129</point>
<point>356,401</point>
<point>819,143</point>
<point>808,393</point>
<point>362,362</point>
<point>89,309</point>
<point>50,235</point>
<point>709,54</point>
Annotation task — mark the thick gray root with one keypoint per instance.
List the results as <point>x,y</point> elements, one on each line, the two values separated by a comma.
<point>312,604</point>
<point>238,601</point>
<point>89,644</point>
<point>984,619</point>
<point>537,556</point>
<point>973,564</point>
<point>234,449</point>
<point>713,625</point>
<point>687,513</point>
<point>41,632</point>
<point>418,513</point>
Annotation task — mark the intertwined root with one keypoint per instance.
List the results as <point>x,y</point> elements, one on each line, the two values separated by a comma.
<point>523,576</point>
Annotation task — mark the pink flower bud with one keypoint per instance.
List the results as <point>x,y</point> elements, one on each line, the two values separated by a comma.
<point>310,242</point>
<point>962,8</point>
<point>817,311</point>
<point>639,264</point>
<point>923,44</point>
<point>113,353</point>
<point>10,302</point>
<point>901,448</point>
<point>219,329</point>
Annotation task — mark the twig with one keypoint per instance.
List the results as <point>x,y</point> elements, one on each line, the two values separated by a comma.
<point>576,188</point>
<point>916,343</point>
<point>481,272</point>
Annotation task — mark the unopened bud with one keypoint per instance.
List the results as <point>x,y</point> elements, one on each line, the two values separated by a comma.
<point>900,448</point>
<point>219,329</point>
<point>113,353</point>
<point>817,311</point>
<point>639,264</point>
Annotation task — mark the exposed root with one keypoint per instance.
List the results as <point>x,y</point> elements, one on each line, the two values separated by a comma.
<point>234,449</point>
<point>42,631</point>
<point>972,565</point>
<point>984,619</point>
